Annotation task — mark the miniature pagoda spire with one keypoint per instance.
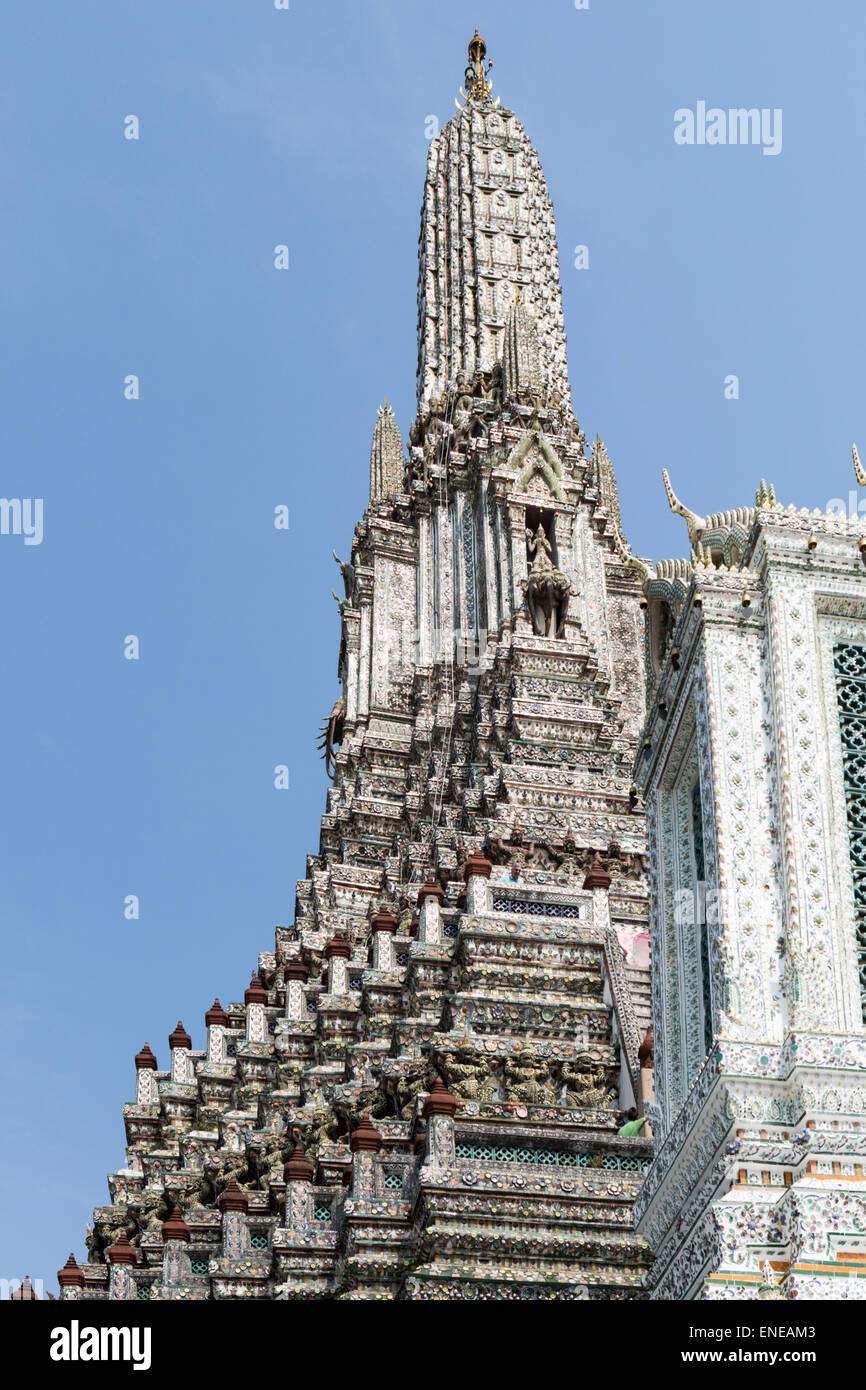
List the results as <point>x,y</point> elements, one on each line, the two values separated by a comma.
<point>25,1291</point>
<point>386,457</point>
<point>604,477</point>
<point>521,370</point>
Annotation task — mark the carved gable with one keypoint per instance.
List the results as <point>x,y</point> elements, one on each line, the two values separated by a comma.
<point>539,470</point>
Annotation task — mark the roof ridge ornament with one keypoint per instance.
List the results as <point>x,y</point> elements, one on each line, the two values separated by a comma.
<point>695,523</point>
<point>765,495</point>
<point>629,560</point>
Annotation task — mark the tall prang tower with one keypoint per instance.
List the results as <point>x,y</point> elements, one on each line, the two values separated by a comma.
<point>421,1094</point>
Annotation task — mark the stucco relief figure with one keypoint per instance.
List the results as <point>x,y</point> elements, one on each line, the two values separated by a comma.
<point>347,570</point>
<point>331,735</point>
<point>585,1083</point>
<point>547,588</point>
<point>463,393</point>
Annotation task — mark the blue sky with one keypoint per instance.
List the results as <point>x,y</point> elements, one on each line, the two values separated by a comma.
<point>258,388</point>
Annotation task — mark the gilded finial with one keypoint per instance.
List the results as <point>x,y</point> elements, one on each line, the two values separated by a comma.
<point>477,87</point>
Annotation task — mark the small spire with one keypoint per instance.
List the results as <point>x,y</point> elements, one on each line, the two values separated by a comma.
<point>440,1101</point>
<point>366,1138</point>
<point>386,457</point>
<point>71,1276</point>
<point>430,888</point>
<point>180,1037</point>
<point>298,1168</point>
<point>605,482</point>
<point>477,866</point>
<point>383,920</point>
<point>858,467</point>
<point>25,1290</point>
<point>521,366</point>
<point>175,1228</point>
<point>597,877</point>
<point>255,993</point>
<point>121,1252</point>
<point>216,1014</point>
<point>145,1059</point>
<point>233,1199</point>
<point>338,946</point>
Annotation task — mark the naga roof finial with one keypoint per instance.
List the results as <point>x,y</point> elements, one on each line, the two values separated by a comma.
<point>695,523</point>
<point>631,561</point>
<point>859,472</point>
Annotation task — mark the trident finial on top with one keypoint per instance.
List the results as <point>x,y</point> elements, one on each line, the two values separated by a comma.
<point>475,78</point>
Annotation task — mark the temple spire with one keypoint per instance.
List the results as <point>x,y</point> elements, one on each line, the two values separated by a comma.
<point>487,231</point>
<point>386,457</point>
